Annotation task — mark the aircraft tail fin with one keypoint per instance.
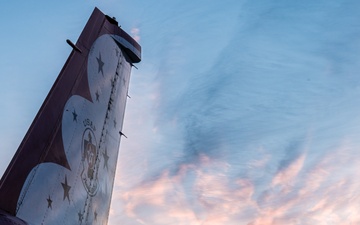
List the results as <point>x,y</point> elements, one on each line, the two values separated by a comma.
<point>63,170</point>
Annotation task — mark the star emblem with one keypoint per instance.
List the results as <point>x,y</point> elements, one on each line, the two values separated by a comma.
<point>106,159</point>
<point>66,188</point>
<point>97,95</point>
<point>49,202</point>
<point>100,64</point>
<point>74,115</point>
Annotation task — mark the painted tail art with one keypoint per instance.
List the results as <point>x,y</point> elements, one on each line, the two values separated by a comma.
<point>63,171</point>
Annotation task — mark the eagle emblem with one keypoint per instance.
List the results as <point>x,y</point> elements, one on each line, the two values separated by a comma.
<point>89,162</point>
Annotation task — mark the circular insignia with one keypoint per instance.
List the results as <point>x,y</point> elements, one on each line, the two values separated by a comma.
<point>89,158</point>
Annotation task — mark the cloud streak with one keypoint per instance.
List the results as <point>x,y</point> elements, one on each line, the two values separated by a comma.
<point>204,194</point>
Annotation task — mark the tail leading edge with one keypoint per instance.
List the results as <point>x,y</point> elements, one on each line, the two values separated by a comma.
<point>63,171</point>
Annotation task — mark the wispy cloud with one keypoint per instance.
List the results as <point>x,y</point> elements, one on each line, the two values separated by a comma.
<point>194,195</point>
<point>206,192</point>
<point>262,129</point>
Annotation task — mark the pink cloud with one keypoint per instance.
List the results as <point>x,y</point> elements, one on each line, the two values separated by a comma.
<point>211,198</point>
<point>323,194</point>
<point>288,175</point>
<point>305,192</point>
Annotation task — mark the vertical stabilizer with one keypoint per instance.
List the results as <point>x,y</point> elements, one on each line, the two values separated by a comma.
<point>63,171</point>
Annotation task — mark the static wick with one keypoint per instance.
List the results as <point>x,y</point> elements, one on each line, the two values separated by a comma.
<point>73,46</point>
<point>121,133</point>
<point>134,66</point>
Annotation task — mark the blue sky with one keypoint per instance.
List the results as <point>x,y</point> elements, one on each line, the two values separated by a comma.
<point>241,112</point>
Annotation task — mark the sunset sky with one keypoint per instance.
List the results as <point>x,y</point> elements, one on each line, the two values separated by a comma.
<point>241,112</point>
